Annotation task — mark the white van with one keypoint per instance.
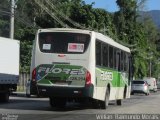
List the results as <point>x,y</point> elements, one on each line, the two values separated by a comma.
<point>152,83</point>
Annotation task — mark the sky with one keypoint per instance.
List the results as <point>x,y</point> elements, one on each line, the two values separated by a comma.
<point>111,6</point>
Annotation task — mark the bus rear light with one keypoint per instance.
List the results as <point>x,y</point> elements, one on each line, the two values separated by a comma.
<point>88,78</point>
<point>61,55</point>
<point>154,83</point>
<point>145,84</point>
<point>34,74</point>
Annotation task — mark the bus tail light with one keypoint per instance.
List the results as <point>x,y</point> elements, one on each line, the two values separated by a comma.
<point>145,84</point>
<point>34,74</point>
<point>154,83</point>
<point>88,78</point>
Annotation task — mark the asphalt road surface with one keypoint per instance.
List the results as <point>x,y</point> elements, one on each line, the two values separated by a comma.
<point>23,108</point>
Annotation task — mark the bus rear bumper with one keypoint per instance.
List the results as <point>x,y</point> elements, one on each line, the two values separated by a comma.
<point>67,92</point>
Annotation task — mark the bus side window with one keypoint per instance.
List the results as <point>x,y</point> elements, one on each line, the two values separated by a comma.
<point>131,69</point>
<point>115,58</point>
<point>122,61</point>
<point>98,53</point>
<point>110,56</point>
<point>118,60</point>
<point>126,62</point>
<point>105,55</point>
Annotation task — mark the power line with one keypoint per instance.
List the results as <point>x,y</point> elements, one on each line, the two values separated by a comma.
<point>7,12</point>
<point>51,14</point>
<point>64,16</point>
<point>45,8</point>
<point>4,7</point>
<point>2,11</point>
<point>27,23</point>
<point>24,22</point>
<point>50,5</point>
<point>19,18</point>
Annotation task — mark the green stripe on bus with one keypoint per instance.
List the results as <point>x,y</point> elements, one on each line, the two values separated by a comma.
<point>60,74</point>
<point>105,76</point>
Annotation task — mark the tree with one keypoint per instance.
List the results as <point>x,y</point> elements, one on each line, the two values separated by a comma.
<point>4,18</point>
<point>123,26</point>
<point>126,24</point>
<point>25,32</point>
<point>134,32</point>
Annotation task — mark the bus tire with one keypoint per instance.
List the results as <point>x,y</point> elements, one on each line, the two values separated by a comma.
<point>125,92</point>
<point>95,104</point>
<point>57,102</point>
<point>4,97</point>
<point>104,104</point>
<point>28,95</point>
<point>119,102</point>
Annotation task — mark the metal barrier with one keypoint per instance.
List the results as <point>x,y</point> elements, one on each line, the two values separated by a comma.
<point>23,78</point>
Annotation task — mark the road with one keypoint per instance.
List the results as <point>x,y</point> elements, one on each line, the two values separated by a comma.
<point>39,109</point>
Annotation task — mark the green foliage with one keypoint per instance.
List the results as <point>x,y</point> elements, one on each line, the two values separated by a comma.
<point>4,25</point>
<point>123,26</point>
<point>140,67</point>
<point>26,37</point>
<point>4,18</point>
<point>140,33</point>
<point>25,56</point>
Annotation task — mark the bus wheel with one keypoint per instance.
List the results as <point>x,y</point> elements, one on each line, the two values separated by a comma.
<point>4,97</point>
<point>104,104</point>
<point>57,102</point>
<point>125,92</point>
<point>95,104</point>
<point>28,95</point>
<point>119,102</point>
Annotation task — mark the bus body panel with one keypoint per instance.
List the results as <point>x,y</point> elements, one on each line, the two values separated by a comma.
<point>67,63</point>
<point>117,83</point>
<point>116,80</point>
<point>101,77</point>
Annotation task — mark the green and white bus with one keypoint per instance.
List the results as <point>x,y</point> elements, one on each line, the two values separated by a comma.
<point>73,64</point>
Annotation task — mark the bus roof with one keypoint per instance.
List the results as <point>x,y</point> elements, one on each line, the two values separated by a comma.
<point>111,42</point>
<point>64,30</point>
<point>99,36</point>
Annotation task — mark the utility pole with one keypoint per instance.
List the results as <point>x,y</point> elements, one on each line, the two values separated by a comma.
<point>150,63</point>
<point>12,19</point>
<point>150,68</point>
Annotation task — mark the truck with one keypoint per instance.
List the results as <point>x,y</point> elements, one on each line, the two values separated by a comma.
<point>9,67</point>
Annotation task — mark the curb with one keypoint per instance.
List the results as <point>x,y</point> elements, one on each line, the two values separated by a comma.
<point>19,94</point>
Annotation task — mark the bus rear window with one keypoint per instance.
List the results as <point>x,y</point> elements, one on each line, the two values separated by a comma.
<point>138,82</point>
<point>63,42</point>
